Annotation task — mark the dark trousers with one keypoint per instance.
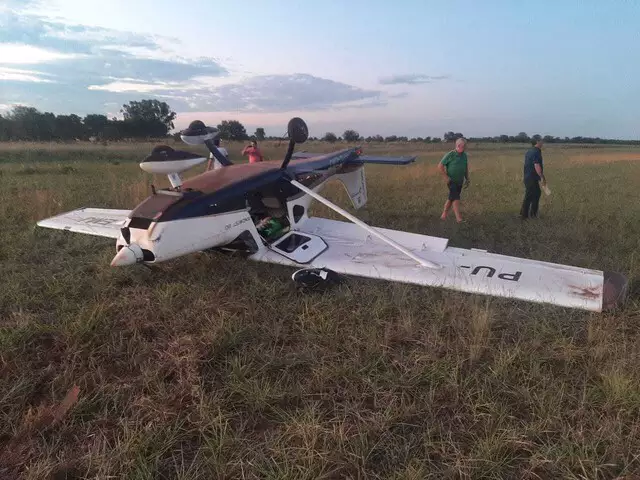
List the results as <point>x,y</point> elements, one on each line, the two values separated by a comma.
<point>531,199</point>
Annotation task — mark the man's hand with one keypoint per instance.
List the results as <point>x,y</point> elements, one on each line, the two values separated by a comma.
<point>467,182</point>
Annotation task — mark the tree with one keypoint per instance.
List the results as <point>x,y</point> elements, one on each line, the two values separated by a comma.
<point>330,137</point>
<point>68,127</point>
<point>28,123</point>
<point>5,129</point>
<point>351,135</point>
<point>452,137</point>
<point>232,130</point>
<point>94,124</point>
<point>259,134</point>
<point>147,118</point>
<point>149,110</point>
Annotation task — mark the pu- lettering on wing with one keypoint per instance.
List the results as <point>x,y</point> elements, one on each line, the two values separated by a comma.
<point>101,222</point>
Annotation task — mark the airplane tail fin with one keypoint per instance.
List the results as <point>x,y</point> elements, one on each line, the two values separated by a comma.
<point>355,184</point>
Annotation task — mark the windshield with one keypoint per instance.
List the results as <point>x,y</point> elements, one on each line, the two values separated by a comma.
<point>153,206</point>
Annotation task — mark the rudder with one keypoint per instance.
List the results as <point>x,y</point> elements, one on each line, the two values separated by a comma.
<point>355,184</point>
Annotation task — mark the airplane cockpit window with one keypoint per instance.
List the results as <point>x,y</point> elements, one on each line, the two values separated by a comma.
<point>269,215</point>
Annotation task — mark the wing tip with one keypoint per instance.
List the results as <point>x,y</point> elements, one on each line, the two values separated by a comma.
<point>615,290</point>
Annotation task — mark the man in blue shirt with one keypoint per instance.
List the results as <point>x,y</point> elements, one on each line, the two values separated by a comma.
<point>533,176</point>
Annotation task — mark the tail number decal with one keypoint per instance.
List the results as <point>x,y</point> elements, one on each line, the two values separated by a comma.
<point>229,226</point>
<point>514,277</point>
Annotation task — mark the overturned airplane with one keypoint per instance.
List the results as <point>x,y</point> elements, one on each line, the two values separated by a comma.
<point>261,210</point>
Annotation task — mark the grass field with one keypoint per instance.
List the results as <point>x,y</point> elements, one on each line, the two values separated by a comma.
<point>212,367</point>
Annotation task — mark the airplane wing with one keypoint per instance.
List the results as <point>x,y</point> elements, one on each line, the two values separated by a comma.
<point>346,248</point>
<point>385,160</point>
<point>101,222</point>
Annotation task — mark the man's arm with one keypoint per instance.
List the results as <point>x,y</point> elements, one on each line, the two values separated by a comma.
<point>442,167</point>
<point>538,168</point>
<point>537,164</point>
<point>443,170</point>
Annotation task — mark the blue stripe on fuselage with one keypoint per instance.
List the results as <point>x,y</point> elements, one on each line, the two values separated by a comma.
<point>272,183</point>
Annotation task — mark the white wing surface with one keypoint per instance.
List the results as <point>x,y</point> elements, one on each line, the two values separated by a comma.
<point>101,222</point>
<point>353,251</point>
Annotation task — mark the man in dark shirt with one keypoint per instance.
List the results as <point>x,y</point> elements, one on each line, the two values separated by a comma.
<point>533,175</point>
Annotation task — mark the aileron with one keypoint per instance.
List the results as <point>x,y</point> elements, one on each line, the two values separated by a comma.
<point>101,222</point>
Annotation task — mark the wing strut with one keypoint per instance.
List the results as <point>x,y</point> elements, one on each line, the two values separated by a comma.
<point>384,238</point>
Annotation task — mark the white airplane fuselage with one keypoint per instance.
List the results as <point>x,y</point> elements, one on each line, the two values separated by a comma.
<point>219,207</point>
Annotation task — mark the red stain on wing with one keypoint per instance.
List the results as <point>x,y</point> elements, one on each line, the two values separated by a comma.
<point>593,292</point>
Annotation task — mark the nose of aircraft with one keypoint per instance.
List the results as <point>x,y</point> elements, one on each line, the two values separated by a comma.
<point>128,255</point>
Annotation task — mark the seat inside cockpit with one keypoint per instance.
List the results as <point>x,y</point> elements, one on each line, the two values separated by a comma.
<point>269,215</point>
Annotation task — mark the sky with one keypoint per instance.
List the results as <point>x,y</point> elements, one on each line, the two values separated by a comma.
<point>412,68</point>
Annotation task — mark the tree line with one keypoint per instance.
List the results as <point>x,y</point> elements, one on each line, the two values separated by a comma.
<point>146,119</point>
<point>140,119</point>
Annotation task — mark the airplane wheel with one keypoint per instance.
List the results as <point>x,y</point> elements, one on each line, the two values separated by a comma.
<point>315,279</point>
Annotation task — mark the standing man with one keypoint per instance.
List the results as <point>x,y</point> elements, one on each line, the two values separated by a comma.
<point>533,176</point>
<point>455,170</point>
<point>255,155</point>
<point>214,161</point>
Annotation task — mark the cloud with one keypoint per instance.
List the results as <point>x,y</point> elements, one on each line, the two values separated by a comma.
<point>20,54</point>
<point>19,5</point>
<point>36,31</point>
<point>80,69</point>
<point>19,75</point>
<point>259,94</point>
<point>411,79</point>
<point>65,60</point>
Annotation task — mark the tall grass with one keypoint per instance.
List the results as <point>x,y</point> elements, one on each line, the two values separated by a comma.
<point>211,367</point>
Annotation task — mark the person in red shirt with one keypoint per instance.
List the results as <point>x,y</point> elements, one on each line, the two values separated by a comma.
<point>255,155</point>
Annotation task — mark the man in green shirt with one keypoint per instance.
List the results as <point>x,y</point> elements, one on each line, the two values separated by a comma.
<point>455,170</point>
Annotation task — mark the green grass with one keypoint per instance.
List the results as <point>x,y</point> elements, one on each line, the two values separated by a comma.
<point>212,367</point>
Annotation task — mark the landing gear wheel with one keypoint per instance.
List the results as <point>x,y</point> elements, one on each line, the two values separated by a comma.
<point>315,279</point>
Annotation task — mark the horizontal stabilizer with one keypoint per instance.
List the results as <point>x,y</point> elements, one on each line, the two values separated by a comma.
<point>380,159</point>
<point>353,251</point>
<point>386,160</point>
<point>101,222</point>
